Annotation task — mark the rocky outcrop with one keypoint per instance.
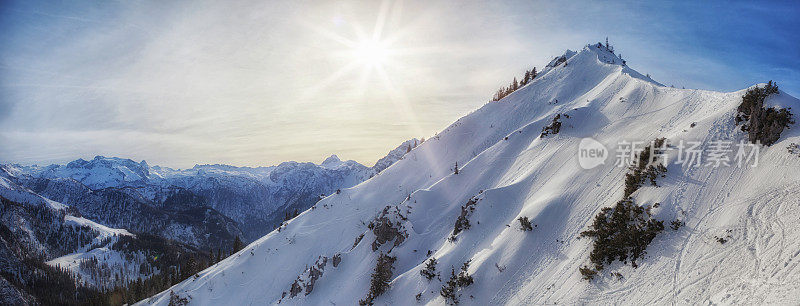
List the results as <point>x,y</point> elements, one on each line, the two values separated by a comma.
<point>388,227</point>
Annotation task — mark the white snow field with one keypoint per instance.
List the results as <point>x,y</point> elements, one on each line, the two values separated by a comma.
<point>756,208</point>
<point>99,249</point>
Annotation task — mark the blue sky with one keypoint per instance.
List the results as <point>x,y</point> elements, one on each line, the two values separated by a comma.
<point>260,82</point>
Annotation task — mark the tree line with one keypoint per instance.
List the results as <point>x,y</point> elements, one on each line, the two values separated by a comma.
<point>515,84</point>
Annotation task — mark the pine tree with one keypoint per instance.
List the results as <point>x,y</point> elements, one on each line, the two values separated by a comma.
<point>430,269</point>
<point>190,268</point>
<point>514,84</point>
<point>381,277</point>
<point>456,170</point>
<point>237,245</point>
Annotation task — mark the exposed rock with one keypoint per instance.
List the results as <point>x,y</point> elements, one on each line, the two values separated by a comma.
<point>305,281</point>
<point>336,260</point>
<point>462,222</point>
<point>386,230</point>
<point>554,127</point>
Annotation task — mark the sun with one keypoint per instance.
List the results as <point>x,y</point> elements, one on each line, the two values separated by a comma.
<point>372,53</point>
<point>372,62</point>
<point>368,57</point>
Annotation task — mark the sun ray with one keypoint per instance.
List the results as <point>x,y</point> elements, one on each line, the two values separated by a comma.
<point>361,86</point>
<point>361,35</point>
<point>376,54</point>
<point>330,79</point>
<point>381,22</point>
<point>409,28</point>
<point>399,100</point>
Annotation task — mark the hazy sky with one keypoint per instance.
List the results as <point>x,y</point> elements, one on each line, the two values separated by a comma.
<point>260,82</point>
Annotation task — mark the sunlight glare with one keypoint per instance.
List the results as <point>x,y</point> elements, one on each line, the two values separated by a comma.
<point>371,53</point>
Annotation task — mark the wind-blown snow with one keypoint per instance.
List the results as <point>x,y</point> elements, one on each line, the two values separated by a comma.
<point>512,171</point>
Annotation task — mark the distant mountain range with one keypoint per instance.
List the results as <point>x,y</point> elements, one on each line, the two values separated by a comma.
<point>108,221</point>
<point>206,205</point>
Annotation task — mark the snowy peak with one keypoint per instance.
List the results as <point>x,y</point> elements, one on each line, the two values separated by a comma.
<point>332,159</point>
<point>419,210</point>
<point>591,56</point>
<point>100,172</point>
<point>332,162</point>
<point>605,54</point>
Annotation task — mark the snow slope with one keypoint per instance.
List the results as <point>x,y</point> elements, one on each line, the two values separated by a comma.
<point>99,249</point>
<point>103,231</point>
<point>510,170</point>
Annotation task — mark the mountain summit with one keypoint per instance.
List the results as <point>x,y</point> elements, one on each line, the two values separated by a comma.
<point>331,161</point>
<point>496,208</point>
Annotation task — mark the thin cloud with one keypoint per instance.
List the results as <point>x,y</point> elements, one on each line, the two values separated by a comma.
<point>260,82</point>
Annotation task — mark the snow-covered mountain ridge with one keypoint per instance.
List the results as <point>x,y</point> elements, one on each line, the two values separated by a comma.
<point>509,169</point>
<point>258,199</point>
<point>103,172</point>
<point>176,214</point>
<point>47,247</point>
